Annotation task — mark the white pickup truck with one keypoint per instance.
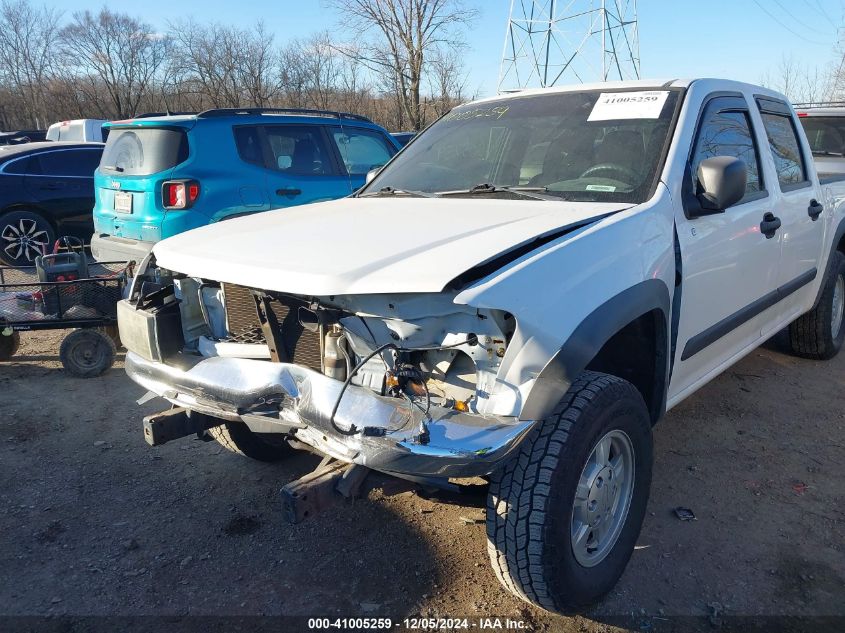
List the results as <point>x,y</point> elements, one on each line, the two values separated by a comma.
<point>519,295</point>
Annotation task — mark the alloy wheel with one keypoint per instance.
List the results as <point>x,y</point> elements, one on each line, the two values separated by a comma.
<point>24,240</point>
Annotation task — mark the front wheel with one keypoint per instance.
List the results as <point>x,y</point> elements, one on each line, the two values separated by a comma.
<point>564,514</point>
<point>819,333</point>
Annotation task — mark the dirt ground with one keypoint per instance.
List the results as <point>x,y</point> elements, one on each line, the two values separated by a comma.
<point>95,522</point>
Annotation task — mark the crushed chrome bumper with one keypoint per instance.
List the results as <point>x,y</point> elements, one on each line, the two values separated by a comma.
<point>300,401</point>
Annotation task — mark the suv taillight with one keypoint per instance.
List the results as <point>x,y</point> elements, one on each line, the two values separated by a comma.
<point>179,194</point>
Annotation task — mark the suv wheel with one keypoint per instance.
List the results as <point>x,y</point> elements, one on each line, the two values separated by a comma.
<point>24,235</point>
<point>564,514</point>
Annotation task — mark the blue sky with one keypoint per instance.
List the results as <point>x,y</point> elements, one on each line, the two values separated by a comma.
<point>736,39</point>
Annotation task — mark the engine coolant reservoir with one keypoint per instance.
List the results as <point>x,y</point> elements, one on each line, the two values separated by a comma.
<point>334,359</point>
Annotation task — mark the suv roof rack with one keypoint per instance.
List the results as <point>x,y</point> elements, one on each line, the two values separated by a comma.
<point>147,115</point>
<point>820,104</point>
<point>220,112</point>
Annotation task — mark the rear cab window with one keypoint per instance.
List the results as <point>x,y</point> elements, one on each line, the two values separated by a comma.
<point>144,151</point>
<point>780,129</point>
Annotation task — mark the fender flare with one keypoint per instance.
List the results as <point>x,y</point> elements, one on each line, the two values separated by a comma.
<point>589,337</point>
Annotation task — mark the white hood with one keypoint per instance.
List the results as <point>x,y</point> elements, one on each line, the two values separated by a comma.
<point>366,246</point>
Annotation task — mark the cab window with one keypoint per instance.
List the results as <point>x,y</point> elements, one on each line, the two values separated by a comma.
<point>786,150</point>
<point>728,133</point>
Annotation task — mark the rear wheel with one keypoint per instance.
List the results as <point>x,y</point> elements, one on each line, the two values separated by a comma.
<point>819,333</point>
<point>564,515</point>
<point>87,353</point>
<point>236,437</point>
<point>9,344</point>
<point>24,235</point>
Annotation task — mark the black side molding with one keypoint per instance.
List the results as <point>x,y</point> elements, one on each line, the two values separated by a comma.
<point>730,323</point>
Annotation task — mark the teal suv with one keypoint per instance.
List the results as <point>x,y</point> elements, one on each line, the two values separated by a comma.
<point>162,175</point>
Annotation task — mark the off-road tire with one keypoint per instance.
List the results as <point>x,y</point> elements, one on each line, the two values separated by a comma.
<point>236,437</point>
<point>87,353</point>
<point>530,501</point>
<point>811,334</point>
<point>9,345</point>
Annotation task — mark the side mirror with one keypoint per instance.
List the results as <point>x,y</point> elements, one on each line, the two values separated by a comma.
<point>372,174</point>
<point>721,183</point>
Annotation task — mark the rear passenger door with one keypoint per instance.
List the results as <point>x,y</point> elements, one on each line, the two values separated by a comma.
<point>63,183</point>
<point>361,150</point>
<point>798,206</point>
<point>729,267</point>
<point>301,166</point>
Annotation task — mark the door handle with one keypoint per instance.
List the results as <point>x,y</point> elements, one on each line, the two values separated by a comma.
<point>288,192</point>
<point>770,225</point>
<point>815,209</point>
<point>51,187</point>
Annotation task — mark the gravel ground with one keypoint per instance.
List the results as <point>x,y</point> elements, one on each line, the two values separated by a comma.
<point>96,523</point>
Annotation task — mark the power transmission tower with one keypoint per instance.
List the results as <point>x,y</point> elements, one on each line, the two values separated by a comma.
<point>551,42</point>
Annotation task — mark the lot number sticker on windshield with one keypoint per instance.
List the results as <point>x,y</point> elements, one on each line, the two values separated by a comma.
<point>612,106</point>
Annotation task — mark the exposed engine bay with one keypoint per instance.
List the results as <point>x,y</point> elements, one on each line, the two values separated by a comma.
<point>421,348</point>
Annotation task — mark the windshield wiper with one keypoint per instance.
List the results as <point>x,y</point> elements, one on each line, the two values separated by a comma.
<point>534,193</point>
<point>826,153</point>
<point>116,168</point>
<point>391,191</point>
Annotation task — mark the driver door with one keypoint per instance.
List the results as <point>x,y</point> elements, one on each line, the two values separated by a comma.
<point>729,268</point>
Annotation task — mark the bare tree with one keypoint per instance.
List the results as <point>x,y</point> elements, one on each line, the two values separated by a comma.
<point>406,32</point>
<point>28,42</point>
<point>447,80</point>
<point>799,82</point>
<point>113,56</point>
<point>224,66</point>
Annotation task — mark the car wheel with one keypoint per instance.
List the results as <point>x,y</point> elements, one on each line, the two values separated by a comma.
<point>24,235</point>
<point>564,514</point>
<point>87,353</point>
<point>819,333</point>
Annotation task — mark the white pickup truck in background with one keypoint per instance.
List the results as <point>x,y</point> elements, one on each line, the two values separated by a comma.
<point>824,125</point>
<point>78,131</point>
<point>520,294</point>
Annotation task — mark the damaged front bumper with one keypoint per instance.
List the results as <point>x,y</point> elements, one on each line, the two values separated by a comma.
<point>299,401</point>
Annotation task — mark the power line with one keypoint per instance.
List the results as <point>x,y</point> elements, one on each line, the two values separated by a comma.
<point>794,17</point>
<point>787,27</point>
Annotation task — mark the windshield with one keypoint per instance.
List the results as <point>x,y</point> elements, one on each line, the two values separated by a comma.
<point>825,134</point>
<point>583,146</point>
<point>143,151</point>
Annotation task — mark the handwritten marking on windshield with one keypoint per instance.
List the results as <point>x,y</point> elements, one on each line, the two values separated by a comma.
<point>477,113</point>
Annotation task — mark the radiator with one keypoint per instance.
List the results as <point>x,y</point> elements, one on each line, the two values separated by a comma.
<point>301,345</point>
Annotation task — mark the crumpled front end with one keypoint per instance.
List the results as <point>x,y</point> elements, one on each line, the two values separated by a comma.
<point>300,401</point>
<point>398,383</point>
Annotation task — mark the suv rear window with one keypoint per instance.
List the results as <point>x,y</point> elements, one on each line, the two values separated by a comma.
<point>144,151</point>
